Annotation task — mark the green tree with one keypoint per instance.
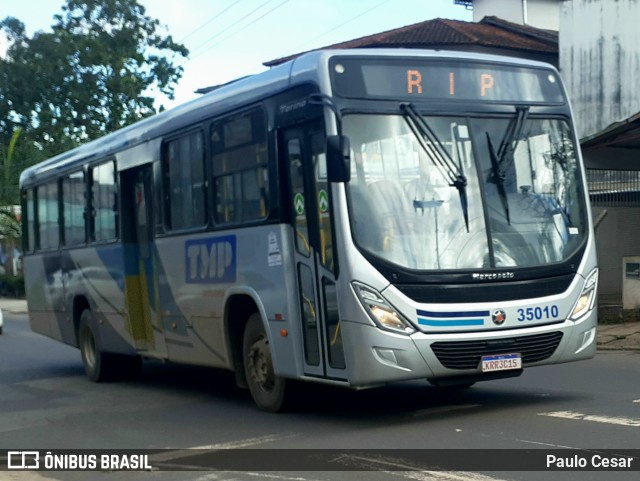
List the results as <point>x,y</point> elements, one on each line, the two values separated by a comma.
<point>10,227</point>
<point>98,70</point>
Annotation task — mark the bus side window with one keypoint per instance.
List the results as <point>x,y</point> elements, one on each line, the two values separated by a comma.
<point>48,212</point>
<point>184,182</point>
<point>30,238</point>
<point>104,208</point>
<point>73,203</point>
<point>239,157</point>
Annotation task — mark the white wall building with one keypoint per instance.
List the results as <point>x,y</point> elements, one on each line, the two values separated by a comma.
<point>535,13</point>
<point>600,61</point>
<point>600,65</point>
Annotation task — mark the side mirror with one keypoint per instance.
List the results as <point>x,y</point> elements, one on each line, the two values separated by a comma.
<point>338,158</point>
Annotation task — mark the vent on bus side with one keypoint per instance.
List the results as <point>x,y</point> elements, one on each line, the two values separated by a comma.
<point>467,354</point>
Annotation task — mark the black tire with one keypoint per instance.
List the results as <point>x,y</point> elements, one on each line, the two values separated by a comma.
<point>95,362</point>
<point>101,366</point>
<point>267,390</point>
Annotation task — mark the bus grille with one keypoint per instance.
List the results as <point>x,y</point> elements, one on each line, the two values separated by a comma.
<point>467,354</point>
<point>486,292</point>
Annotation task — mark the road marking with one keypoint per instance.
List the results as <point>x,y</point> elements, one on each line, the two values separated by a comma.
<point>551,445</point>
<point>241,443</point>
<point>619,421</point>
<point>445,476</point>
<point>413,472</point>
<point>444,409</point>
<point>225,475</point>
<point>21,476</point>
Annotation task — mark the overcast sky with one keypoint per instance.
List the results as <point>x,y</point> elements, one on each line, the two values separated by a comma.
<point>231,38</point>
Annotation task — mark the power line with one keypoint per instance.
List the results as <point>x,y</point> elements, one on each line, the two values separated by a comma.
<point>210,20</point>
<point>346,22</point>
<point>208,41</point>
<point>248,25</point>
<point>199,50</point>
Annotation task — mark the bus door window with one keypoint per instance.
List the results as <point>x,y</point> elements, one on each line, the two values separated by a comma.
<point>307,294</point>
<point>335,348</point>
<point>319,160</point>
<point>335,352</point>
<point>309,315</point>
<point>297,191</point>
<point>142,222</point>
<point>140,273</point>
<point>311,208</point>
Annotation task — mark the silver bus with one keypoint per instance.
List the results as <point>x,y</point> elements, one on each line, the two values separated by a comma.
<point>349,217</point>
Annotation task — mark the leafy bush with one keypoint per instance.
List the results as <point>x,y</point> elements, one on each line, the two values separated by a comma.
<point>12,286</point>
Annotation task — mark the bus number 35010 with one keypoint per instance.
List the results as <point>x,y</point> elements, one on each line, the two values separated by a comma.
<point>538,313</point>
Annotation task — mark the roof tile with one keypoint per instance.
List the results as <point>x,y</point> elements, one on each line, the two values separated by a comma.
<point>439,32</point>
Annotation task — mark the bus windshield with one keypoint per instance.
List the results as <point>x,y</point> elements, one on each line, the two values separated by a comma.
<point>521,205</point>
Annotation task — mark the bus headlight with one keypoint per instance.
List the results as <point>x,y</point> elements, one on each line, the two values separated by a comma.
<point>382,313</point>
<point>587,298</point>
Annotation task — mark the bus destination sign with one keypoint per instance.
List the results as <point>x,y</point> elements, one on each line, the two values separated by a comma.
<point>435,79</point>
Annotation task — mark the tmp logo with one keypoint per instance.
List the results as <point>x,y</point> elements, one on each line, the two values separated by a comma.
<point>210,260</point>
<point>23,460</point>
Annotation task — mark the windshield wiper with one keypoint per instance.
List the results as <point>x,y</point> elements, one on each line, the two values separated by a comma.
<point>503,159</point>
<point>438,154</point>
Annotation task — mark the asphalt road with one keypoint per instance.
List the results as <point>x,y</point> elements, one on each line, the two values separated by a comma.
<point>46,403</point>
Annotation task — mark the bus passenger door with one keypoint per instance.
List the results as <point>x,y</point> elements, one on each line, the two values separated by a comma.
<point>140,278</point>
<point>309,198</point>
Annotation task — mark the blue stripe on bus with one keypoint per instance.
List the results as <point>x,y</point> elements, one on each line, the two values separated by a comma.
<point>457,322</point>
<point>453,314</point>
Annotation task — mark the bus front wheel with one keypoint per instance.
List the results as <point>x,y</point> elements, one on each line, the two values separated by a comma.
<point>267,389</point>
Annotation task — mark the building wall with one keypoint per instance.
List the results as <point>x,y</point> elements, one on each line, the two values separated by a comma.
<point>631,283</point>
<point>538,13</point>
<point>616,238</point>
<point>600,60</point>
<point>544,14</point>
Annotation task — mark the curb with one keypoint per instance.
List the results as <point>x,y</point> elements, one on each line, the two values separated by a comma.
<point>604,347</point>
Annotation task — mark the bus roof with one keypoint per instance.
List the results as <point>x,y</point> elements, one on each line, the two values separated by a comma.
<point>303,69</point>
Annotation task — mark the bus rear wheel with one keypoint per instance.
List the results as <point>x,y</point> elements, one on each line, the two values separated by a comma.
<point>101,366</point>
<point>95,362</point>
<point>267,389</point>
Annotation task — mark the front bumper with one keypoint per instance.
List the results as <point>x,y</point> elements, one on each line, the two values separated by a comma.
<point>377,357</point>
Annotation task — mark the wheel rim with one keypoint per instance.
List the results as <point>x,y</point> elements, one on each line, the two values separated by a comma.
<point>260,365</point>
<point>89,348</point>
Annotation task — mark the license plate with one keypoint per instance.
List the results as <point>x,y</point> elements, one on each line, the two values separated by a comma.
<point>501,362</point>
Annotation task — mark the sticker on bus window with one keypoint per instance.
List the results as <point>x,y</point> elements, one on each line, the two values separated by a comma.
<point>298,204</point>
<point>274,256</point>
<point>323,201</point>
